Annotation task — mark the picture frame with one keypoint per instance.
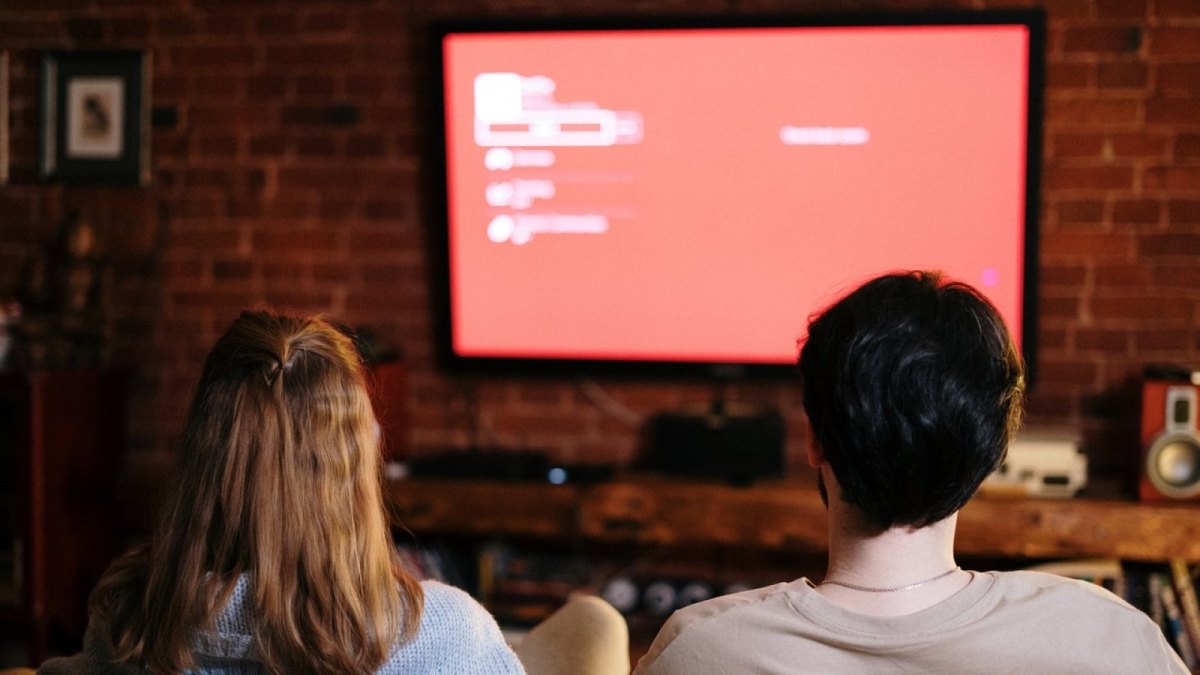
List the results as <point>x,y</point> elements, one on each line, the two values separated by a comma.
<point>95,117</point>
<point>4,104</point>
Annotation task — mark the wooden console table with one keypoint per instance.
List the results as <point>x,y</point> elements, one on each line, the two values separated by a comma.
<point>779,516</point>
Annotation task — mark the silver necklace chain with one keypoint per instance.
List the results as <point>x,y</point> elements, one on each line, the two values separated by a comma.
<point>906,587</point>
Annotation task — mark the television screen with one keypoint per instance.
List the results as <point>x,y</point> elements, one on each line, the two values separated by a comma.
<point>685,196</point>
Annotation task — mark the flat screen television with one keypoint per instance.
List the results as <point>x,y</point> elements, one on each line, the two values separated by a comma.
<point>678,196</point>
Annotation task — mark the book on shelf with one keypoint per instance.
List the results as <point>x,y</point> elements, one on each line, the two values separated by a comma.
<point>1176,632</point>
<point>1189,606</point>
<point>1165,591</point>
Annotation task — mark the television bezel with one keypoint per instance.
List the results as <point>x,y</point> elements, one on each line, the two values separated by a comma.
<point>435,180</point>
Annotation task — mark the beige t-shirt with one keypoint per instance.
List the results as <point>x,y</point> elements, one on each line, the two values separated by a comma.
<point>1001,622</point>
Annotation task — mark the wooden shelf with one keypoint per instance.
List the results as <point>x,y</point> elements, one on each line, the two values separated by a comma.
<point>779,515</point>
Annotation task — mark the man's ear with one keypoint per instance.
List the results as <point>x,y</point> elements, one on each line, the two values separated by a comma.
<point>815,453</point>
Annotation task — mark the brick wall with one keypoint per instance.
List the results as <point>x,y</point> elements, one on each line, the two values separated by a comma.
<point>285,174</point>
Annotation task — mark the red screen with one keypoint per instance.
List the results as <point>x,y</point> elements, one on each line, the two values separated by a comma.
<point>694,195</point>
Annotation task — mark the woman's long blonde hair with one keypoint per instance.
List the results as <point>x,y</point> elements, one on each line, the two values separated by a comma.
<point>279,481</point>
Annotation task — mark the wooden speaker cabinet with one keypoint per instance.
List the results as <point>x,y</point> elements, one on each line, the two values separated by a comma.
<point>61,444</point>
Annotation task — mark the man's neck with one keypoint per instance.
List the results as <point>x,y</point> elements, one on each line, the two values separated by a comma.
<point>894,558</point>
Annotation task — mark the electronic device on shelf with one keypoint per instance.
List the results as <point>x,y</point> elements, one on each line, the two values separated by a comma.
<point>662,196</point>
<point>1170,435</point>
<point>502,464</point>
<point>1041,462</point>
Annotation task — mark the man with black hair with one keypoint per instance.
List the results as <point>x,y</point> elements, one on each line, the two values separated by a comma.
<point>913,389</point>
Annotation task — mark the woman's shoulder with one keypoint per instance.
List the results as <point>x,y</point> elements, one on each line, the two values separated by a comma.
<point>456,635</point>
<point>453,605</point>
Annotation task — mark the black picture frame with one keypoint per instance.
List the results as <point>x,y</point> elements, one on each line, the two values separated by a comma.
<point>3,116</point>
<point>95,117</point>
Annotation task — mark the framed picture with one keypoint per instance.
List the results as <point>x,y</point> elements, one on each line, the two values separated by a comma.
<point>3,117</point>
<point>95,117</point>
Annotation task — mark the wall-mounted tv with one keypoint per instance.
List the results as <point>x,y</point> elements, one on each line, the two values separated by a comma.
<point>677,196</point>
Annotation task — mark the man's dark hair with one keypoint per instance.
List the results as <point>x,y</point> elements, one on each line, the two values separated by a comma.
<point>913,387</point>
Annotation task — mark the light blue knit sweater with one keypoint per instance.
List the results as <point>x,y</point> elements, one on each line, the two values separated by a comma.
<point>457,637</point>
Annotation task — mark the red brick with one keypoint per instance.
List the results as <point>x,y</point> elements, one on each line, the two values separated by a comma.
<point>1059,307</point>
<point>27,31</point>
<point>330,273</point>
<point>316,146</point>
<point>246,207</point>
<point>1175,9</point>
<point>525,424</point>
<point>296,240</point>
<point>1178,111</point>
<point>325,22</point>
<point>333,209</point>
<point>169,88</point>
<point>391,273</point>
<point>302,301</point>
<point>232,269</point>
<point>212,298</point>
<point>1081,211</point>
<point>130,28</point>
<point>1061,275</point>
<point>373,145</point>
<point>1094,339</point>
<point>173,25</point>
<point>1050,405</point>
<point>268,146</point>
<point>314,86</point>
<point>1137,211</point>
<point>219,146</point>
<point>371,84</point>
<point>206,240</point>
<point>1121,9</point>
<point>1091,178</point>
<point>311,54</point>
<point>381,300</point>
<point>1122,75</point>
<point>283,23</point>
<point>1111,39</point>
<point>267,86</point>
<point>291,272</point>
<point>1110,276</point>
<point>385,209</point>
<point>1182,77</point>
<point>207,56</point>
<point>375,241</point>
<point>1187,146</point>
<point>1051,339</point>
<point>1068,372</point>
<point>1068,75</point>
<point>219,86</point>
<point>1173,178</point>
<point>320,178</point>
<point>1111,246</point>
<point>1142,308</point>
<point>1146,144</point>
<point>1093,111</point>
<point>1183,210</point>
<point>227,23</point>
<point>1174,40</point>
<point>1078,145</point>
<point>197,207</point>
<point>1170,244</point>
<point>283,209</point>
<point>1162,340</point>
<point>241,117</point>
<point>387,20</point>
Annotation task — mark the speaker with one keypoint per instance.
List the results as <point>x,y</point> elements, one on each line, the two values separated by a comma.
<point>737,448</point>
<point>1170,438</point>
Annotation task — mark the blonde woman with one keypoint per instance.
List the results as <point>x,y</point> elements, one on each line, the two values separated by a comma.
<point>273,554</point>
